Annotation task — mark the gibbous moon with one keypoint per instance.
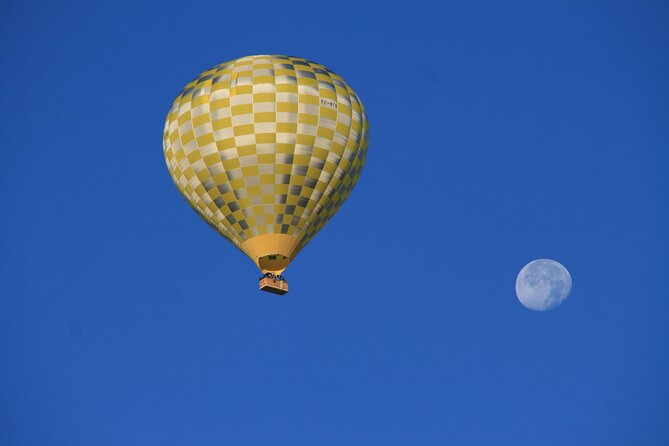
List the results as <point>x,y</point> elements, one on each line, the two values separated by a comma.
<point>543,285</point>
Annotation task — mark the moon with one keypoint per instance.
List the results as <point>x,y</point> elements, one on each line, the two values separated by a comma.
<point>543,285</point>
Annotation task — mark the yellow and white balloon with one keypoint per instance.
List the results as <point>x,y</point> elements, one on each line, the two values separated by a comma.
<point>266,149</point>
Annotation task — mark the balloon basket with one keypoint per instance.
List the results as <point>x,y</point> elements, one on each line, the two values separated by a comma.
<point>273,284</point>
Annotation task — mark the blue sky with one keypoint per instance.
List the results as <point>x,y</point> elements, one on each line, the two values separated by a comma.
<point>500,133</point>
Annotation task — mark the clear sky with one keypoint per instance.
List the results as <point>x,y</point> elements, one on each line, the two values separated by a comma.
<point>500,133</point>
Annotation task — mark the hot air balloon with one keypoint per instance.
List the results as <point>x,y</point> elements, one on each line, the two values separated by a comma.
<point>266,149</point>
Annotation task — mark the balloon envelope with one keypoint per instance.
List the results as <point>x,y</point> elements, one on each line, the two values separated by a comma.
<point>266,149</point>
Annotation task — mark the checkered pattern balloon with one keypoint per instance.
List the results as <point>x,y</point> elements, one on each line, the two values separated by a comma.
<point>266,149</point>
